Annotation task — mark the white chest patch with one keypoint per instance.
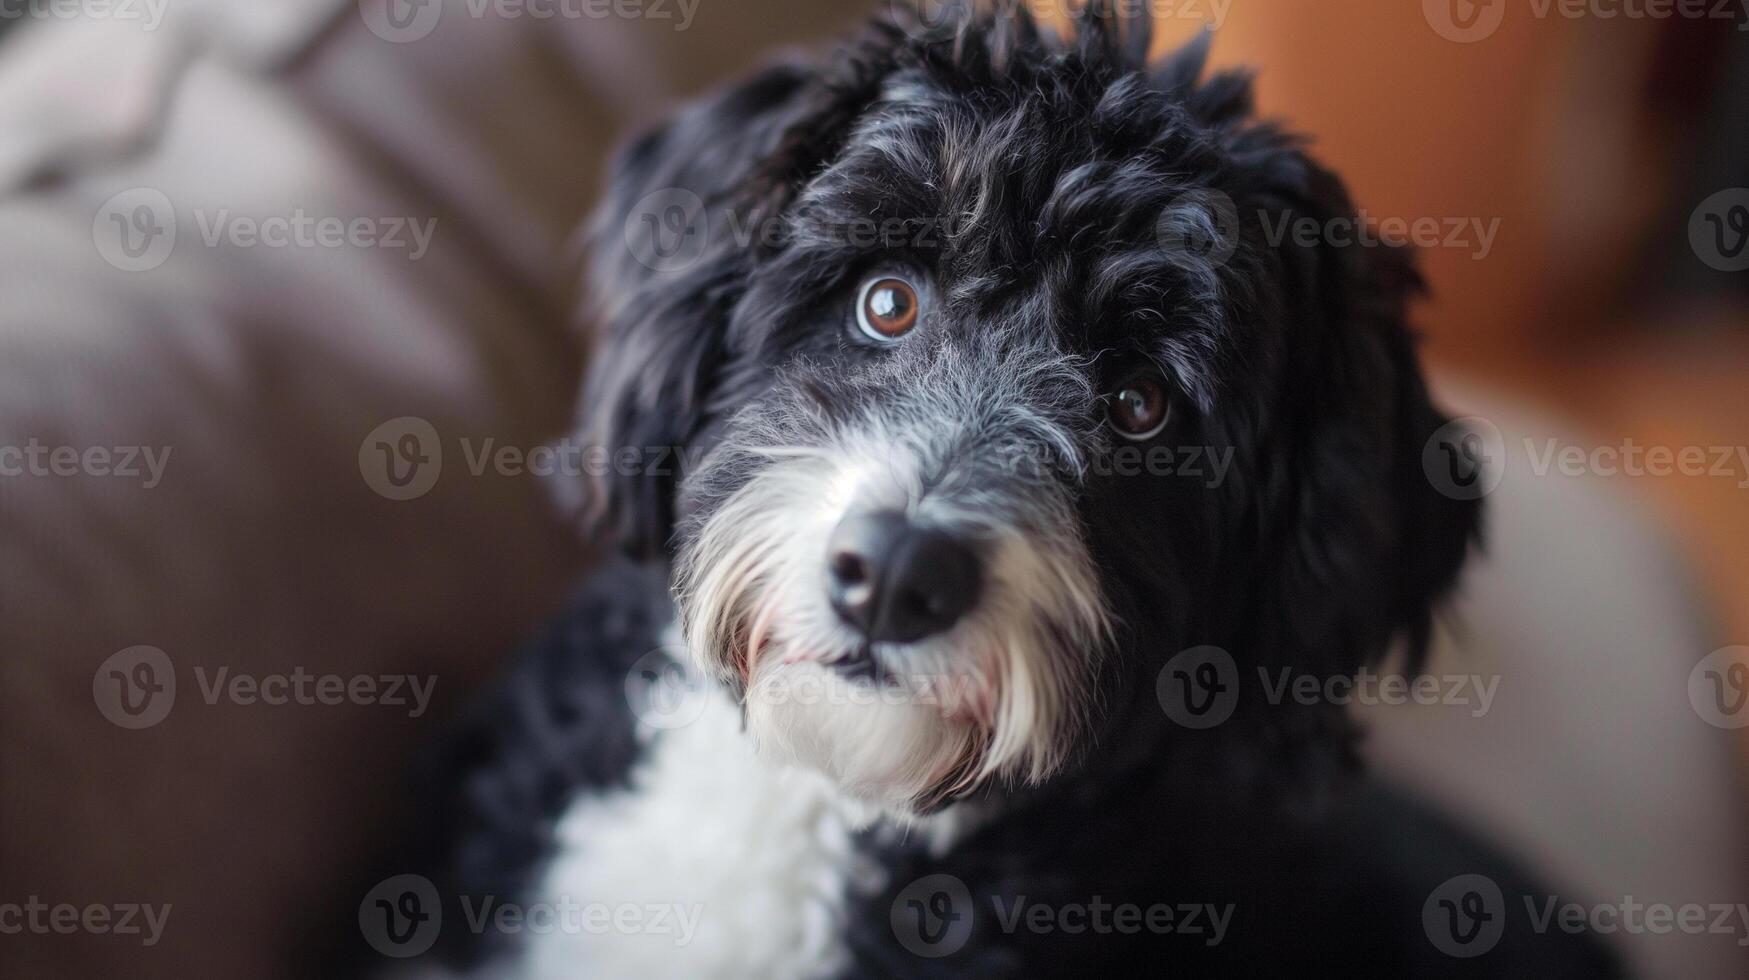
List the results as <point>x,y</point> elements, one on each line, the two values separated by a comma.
<point>712,864</point>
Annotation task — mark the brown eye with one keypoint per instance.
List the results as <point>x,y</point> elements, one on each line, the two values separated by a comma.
<point>1139,409</point>
<point>888,308</point>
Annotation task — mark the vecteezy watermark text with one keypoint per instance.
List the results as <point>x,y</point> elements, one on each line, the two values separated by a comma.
<point>136,688</point>
<point>1364,231</point>
<point>406,21</point>
<point>403,916</point>
<point>678,12</point>
<point>1631,459</point>
<point>34,458</point>
<point>1466,916</point>
<point>137,230</point>
<point>569,917</point>
<point>402,459</point>
<point>301,687</point>
<point>934,917</point>
<point>147,13</point>
<point>1200,688</point>
<point>1469,21</point>
<point>1468,458</point>
<point>301,229</point>
<point>41,918</point>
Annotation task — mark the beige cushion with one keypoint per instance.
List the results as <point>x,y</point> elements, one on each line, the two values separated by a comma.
<point>1590,762</point>
<point>260,371</point>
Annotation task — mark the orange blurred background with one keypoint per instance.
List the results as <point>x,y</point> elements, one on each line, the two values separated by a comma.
<point>1592,140</point>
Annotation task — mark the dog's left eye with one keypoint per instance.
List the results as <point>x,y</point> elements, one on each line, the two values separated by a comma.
<point>887,308</point>
<point>1140,408</point>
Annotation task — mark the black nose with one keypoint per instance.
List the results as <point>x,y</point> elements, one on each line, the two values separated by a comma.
<point>896,582</point>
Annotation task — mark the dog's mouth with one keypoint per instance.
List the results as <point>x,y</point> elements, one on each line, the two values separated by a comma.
<point>956,684</point>
<point>862,665</point>
<point>874,719</point>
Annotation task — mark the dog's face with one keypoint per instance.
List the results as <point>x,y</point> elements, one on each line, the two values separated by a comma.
<point>1003,396</point>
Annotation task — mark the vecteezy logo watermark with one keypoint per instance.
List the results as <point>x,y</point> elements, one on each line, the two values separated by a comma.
<point>667,230</point>
<point>135,688</point>
<point>1468,21</point>
<point>147,13</point>
<point>402,916</point>
<point>932,916</point>
<point>1199,688</point>
<point>135,230</point>
<point>664,690</point>
<point>1465,916</point>
<point>1465,459</point>
<point>1464,21</point>
<point>401,21</point>
<point>1718,230</point>
<point>1200,228</point>
<point>35,459</point>
<point>40,918</point>
<point>1718,688</point>
<point>402,458</point>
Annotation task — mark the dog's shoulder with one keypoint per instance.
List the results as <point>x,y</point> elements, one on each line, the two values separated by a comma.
<point>557,723</point>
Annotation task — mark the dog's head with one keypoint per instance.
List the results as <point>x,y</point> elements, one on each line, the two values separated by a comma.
<point>1002,394</point>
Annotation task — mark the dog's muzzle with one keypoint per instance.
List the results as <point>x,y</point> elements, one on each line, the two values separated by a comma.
<point>889,567</point>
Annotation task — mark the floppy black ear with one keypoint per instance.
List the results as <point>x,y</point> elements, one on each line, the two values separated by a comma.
<point>691,210</point>
<point>1360,545</point>
<point>666,268</point>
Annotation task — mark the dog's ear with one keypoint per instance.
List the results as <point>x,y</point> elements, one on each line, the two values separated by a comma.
<point>664,271</point>
<point>691,209</point>
<point>1360,544</point>
<point>688,210</point>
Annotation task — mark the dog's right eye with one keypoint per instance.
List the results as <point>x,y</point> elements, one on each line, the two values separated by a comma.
<point>887,308</point>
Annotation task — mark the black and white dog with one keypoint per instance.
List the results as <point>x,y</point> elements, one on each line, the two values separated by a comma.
<point>998,399</point>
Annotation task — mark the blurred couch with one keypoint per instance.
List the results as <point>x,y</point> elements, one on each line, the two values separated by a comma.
<point>263,372</point>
